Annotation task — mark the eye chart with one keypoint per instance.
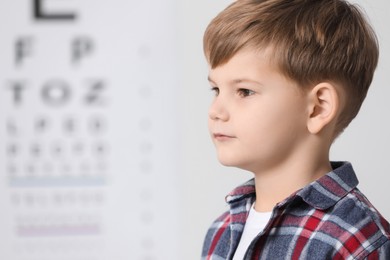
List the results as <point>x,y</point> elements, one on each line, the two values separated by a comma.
<point>87,130</point>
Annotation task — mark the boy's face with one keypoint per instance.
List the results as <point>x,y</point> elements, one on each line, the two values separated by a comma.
<point>257,119</point>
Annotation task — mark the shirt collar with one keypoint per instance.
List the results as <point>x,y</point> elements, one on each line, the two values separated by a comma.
<point>332,187</point>
<point>245,190</point>
<point>320,194</point>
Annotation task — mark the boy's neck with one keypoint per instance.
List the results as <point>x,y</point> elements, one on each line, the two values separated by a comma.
<point>280,182</point>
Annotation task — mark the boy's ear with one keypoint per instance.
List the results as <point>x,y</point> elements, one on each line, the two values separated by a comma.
<point>324,103</point>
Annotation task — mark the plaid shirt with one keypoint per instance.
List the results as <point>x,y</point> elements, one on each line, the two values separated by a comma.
<point>328,219</point>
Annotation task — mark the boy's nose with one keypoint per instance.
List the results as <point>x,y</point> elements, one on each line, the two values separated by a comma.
<point>218,112</point>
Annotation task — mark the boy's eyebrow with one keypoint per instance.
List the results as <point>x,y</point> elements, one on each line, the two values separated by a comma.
<point>210,80</point>
<point>236,81</point>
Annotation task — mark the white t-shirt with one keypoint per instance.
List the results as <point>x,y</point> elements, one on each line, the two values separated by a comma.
<point>255,223</point>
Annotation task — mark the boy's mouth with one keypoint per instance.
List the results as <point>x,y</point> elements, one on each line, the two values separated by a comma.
<point>222,137</point>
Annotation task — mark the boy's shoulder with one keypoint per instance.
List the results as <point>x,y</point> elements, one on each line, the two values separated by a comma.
<point>352,227</point>
<point>330,214</point>
<point>360,219</point>
<point>342,204</point>
<point>334,212</point>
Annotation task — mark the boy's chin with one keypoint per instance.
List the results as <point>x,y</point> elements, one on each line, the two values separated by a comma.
<point>240,163</point>
<point>231,162</point>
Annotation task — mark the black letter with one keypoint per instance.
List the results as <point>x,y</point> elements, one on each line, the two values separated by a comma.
<point>80,48</point>
<point>17,88</point>
<point>40,125</point>
<point>56,93</point>
<point>41,15</point>
<point>94,96</point>
<point>97,124</point>
<point>22,49</point>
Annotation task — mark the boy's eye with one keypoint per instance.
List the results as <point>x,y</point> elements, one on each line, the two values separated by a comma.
<point>245,92</point>
<point>215,90</point>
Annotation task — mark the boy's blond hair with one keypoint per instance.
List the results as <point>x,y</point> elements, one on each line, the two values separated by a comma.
<point>312,41</point>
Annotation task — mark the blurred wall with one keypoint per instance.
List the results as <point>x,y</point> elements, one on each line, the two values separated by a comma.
<point>88,130</point>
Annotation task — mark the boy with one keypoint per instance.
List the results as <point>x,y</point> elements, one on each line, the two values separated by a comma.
<point>288,77</point>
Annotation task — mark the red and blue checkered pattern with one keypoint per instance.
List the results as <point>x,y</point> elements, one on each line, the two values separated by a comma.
<point>328,219</point>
